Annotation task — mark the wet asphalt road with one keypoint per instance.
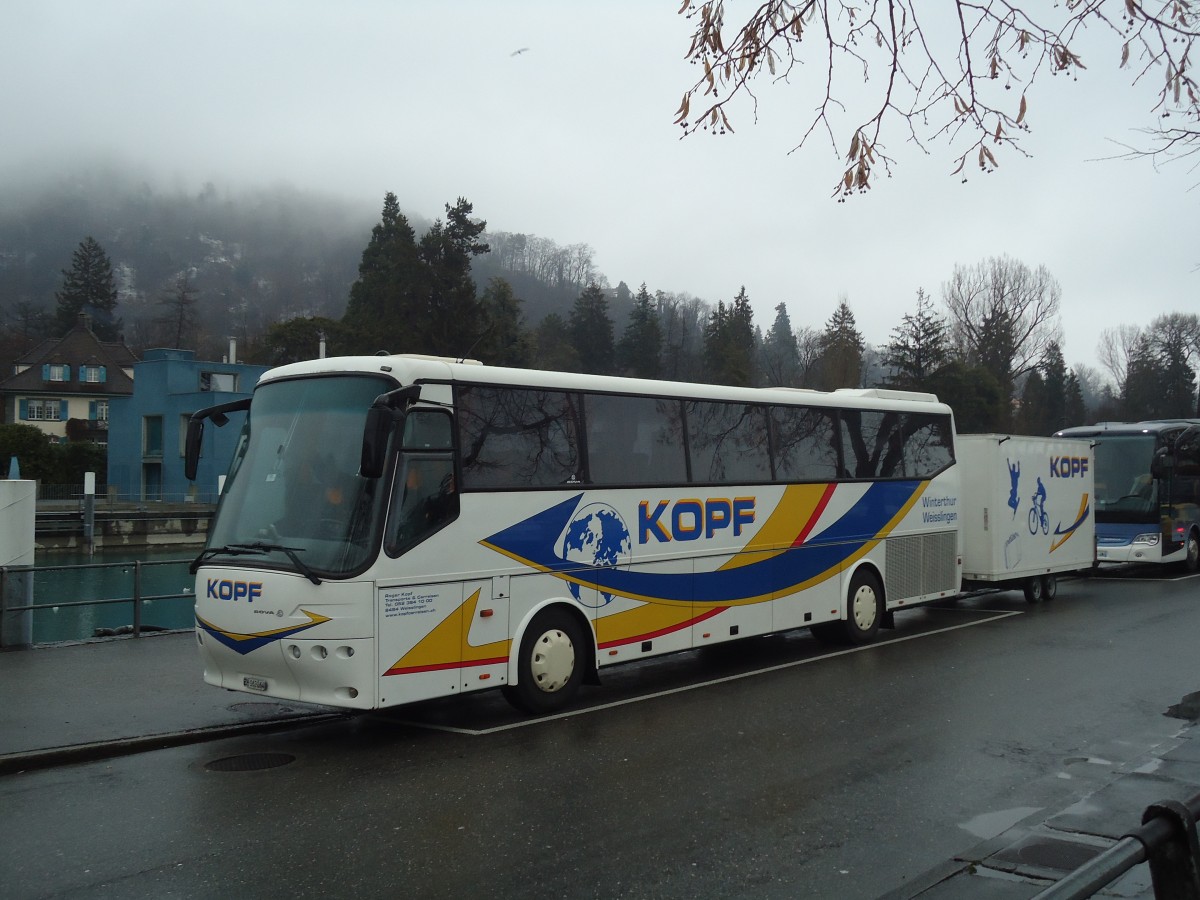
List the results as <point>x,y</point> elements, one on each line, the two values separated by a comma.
<point>772,768</point>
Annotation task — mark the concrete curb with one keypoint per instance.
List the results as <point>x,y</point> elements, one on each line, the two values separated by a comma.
<point>14,763</point>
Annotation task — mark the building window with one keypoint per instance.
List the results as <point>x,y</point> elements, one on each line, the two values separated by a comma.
<point>55,372</point>
<point>92,374</point>
<point>218,381</point>
<point>43,410</point>
<point>152,436</point>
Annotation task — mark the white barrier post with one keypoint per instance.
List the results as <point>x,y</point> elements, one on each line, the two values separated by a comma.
<point>18,509</point>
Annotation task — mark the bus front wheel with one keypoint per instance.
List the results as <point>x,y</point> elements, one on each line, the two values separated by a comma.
<point>864,608</point>
<point>1191,559</point>
<point>550,664</point>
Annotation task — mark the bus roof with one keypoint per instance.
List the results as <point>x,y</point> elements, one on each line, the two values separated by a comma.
<point>412,368</point>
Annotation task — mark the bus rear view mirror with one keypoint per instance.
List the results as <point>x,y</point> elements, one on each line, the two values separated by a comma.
<point>382,418</point>
<point>1162,463</point>
<point>195,431</point>
<point>191,460</point>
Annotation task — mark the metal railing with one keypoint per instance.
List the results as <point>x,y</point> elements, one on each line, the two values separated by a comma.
<point>11,606</point>
<point>1166,839</point>
<point>51,495</point>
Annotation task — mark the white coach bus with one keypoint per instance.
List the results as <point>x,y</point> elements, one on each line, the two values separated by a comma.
<point>396,528</point>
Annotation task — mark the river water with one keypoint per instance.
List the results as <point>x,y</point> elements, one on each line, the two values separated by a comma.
<point>66,578</point>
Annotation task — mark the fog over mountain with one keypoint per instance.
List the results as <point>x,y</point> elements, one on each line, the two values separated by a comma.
<point>252,256</point>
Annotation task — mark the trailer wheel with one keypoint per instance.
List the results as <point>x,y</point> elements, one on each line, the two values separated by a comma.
<point>1049,587</point>
<point>550,664</point>
<point>1033,588</point>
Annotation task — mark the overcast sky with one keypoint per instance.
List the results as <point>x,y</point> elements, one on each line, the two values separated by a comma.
<point>574,140</point>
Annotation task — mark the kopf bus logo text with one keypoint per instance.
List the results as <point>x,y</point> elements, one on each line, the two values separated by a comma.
<point>234,590</point>
<point>692,518</point>
<point>1068,466</point>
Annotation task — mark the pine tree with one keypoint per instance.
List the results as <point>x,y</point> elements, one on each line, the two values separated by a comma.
<point>919,348</point>
<point>505,342</point>
<point>88,287</point>
<point>591,331</point>
<point>729,346</point>
<point>780,353</point>
<point>1075,410</point>
<point>1054,375</point>
<point>639,351</point>
<point>449,313</point>
<point>382,305</point>
<point>842,348</point>
<point>553,350</point>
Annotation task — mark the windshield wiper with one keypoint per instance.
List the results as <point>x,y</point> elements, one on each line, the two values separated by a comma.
<point>291,553</point>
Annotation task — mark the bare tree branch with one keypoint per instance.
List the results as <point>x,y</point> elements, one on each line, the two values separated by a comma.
<point>940,83</point>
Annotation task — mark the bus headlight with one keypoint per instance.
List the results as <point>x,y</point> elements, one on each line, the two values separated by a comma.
<point>1150,538</point>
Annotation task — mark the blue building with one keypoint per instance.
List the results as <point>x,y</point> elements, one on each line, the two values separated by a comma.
<point>146,430</point>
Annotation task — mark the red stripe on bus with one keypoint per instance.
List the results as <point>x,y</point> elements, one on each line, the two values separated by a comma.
<point>439,667</point>
<point>812,520</point>
<point>668,630</point>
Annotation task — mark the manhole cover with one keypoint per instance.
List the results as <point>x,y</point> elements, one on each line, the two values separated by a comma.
<point>250,762</point>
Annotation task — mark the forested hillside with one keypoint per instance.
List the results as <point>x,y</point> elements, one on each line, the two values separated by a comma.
<point>239,261</point>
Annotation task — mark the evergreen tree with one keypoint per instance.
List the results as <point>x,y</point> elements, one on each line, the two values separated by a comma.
<point>383,307</point>
<point>996,351</point>
<point>973,393</point>
<point>591,331</point>
<point>842,348</point>
<point>729,346</point>
<point>505,343</point>
<point>298,339</point>
<point>1075,410</point>
<point>449,313</point>
<point>1142,392</point>
<point>1175,337</point>
<point>1031,417</point>
<point>1054,375</point>
<point>639,351</point>
<point>919,347</point>
<point>553,350</point>
<point>780,353</point>
<point>88,287</point>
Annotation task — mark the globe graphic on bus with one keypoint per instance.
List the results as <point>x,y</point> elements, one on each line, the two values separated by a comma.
<point>597,537</point>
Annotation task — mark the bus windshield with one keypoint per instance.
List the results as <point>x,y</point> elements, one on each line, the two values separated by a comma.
<point>294,498</point>
<point>1125,490</point>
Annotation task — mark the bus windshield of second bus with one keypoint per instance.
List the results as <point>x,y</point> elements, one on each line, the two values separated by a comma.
<point>1147,491</point>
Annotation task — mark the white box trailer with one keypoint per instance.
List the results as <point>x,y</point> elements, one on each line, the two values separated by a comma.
<point>1027,510</point>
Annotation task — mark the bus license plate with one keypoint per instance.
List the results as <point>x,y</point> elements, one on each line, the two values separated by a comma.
<point>250,683</point>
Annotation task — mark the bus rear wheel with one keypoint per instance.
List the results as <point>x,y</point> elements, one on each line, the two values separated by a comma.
<point>549,665</point>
